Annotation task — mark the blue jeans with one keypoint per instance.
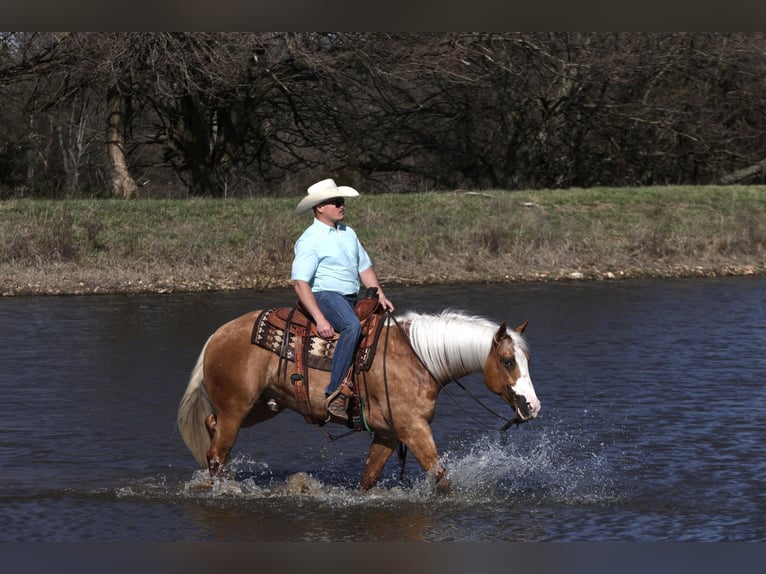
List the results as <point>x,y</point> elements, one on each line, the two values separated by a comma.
<point>339,311</point>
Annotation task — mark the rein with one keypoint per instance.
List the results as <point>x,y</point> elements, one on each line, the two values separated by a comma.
<point>509,422</point>
<point>402,449</point>
<point>402,453</point>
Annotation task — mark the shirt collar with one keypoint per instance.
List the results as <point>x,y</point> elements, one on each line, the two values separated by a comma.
<point>329,228</point>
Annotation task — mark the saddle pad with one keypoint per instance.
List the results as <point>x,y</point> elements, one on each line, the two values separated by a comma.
<point>270,337</point>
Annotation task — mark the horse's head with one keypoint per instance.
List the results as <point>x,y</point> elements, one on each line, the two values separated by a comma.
<point>506,372</point>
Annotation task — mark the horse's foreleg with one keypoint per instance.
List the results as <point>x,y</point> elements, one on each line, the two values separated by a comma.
<point>379,453</point>
<point>420,441</point>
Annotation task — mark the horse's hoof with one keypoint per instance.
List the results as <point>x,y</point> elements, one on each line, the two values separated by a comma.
<point>214,467</point>
<point>444,486</point>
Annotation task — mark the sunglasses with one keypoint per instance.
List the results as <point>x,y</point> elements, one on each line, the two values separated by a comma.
<point>337,202</point>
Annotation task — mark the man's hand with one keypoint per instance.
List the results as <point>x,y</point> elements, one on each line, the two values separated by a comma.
<point>325,329</point>
<point>385,303</point>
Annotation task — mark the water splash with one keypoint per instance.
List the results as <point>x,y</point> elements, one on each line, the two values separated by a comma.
<point>549,466</point>
<point>530,467</point>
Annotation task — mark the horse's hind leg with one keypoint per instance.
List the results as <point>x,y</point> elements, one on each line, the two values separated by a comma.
<point>379,453</point>
<point>223,432</point>
<point>210,424</point>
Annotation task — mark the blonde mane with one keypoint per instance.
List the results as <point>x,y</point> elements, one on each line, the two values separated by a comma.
<point>452,344</point>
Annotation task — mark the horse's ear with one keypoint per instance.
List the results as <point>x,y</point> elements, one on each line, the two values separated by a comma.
<point>501,334</point>
<point>521,328</point>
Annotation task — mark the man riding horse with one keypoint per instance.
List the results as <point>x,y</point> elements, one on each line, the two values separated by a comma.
<point>238,382</point>
<point>329,262</point>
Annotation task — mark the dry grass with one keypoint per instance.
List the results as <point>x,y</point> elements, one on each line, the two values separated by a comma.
<point>92,246</point>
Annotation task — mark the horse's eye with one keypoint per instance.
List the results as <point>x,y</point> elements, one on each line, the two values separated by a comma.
<point>509,363</point>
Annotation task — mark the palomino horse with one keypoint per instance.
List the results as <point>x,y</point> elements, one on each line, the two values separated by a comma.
<point>237,384</point>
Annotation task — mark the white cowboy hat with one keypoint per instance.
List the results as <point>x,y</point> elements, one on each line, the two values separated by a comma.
<point>322,191</point>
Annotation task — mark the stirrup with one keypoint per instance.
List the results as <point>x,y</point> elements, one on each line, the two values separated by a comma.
<point>337,403</point>
<point>337,406</point>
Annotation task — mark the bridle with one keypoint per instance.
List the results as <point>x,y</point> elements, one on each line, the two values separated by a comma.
<point>516,420</point>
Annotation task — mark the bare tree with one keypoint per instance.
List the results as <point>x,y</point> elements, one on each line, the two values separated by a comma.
<point>231,114</point>
<point>121,182</point>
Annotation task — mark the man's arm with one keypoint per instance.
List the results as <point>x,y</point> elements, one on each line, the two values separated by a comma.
<point>370,279</point>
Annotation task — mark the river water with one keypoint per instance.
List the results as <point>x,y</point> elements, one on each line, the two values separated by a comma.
<point>652,425</point>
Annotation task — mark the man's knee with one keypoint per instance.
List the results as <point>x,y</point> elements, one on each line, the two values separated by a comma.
<point>352,329</point>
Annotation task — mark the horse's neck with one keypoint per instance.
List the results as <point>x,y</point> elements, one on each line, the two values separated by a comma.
<point>451,347</point>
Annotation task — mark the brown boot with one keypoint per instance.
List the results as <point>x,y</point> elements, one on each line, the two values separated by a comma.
<point>337,403</point>
<point>336,406</point>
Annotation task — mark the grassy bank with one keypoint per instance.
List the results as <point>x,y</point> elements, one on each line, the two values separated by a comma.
<point>105,246</point>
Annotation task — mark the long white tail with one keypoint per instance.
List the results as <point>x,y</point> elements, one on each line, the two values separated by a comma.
<point>194,407</point>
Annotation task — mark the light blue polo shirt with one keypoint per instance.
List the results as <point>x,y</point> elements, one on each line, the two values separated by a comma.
<point>330,258</point>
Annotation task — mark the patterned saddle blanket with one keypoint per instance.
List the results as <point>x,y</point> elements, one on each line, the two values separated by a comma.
<point>277,330</point>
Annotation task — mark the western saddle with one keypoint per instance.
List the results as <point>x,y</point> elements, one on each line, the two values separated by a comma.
<point>291,333</point>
